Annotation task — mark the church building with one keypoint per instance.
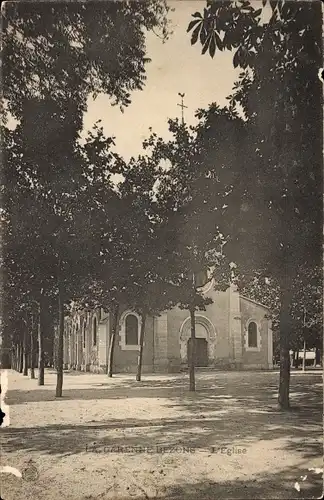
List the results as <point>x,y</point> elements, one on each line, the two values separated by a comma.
<point>233,333</point>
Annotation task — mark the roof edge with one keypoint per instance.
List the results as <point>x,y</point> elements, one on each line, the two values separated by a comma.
<point>254,302</point>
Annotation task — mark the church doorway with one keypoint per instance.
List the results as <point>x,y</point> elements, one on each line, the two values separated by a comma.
<point>201,351</point>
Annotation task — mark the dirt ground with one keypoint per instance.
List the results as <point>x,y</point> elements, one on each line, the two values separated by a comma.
<point>120,439</point>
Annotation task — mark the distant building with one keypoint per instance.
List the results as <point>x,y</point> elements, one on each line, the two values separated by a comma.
<point>233,332</point>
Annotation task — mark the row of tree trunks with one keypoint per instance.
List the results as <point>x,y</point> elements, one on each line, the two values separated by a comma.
<point>24,353</point>
<point>115,318</point>
<point>112,339</point>
<point>192,384</point>
<point>17,357</point>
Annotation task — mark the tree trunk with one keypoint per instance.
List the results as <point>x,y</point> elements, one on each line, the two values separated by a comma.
<point>6,358</point>
<point>25,351</point>
<point>17,357</point>
<point>51,353</point>
<point>12,360</point>
<point>140,353</point>
<point>14,357</point>
<point>297,359</point>
<point>112,341</point>
<point>292,359</point>
<point>60,345</point>
<point>285,334</point>
<point>315,357</point>
<point>32,347</point>
<point>304,356</point>
<point>41,340</point>
<point>6,350</point>
<point>192,382</point>
<point>56,329</point>
<point>20,358</point>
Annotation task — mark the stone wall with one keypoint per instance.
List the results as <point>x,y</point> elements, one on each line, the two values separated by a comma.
<point>225,320</point>
<point>214,319</point>
<point>81,353</point>
<point>125,360</point>
<point>235,328</point>
<point>161,339</point>
<point>255,359</point>
<point>217,313</point>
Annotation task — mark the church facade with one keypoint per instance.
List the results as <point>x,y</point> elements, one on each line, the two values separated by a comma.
<point>233,333</point>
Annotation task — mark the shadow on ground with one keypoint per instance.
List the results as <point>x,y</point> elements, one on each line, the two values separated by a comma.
<point>281,484</point>
<point>277,485</point>
<point>225,411</point>
<point>261,387</point>
<point>228,410</point>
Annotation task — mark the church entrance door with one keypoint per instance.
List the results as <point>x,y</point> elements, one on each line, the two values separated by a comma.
<point>201,352</point>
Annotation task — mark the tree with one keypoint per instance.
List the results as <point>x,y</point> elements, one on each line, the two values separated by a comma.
<point>87,217</point>
<point>285,153</point>
<point>53,59</point>
<point>190,218</point>
<point>70,51</point>
<point>57,210</point>
<point>106,232</point>
<point>129,269</point>
<point>109,273</point>
<point>149,289</point>
<point>306,310</point>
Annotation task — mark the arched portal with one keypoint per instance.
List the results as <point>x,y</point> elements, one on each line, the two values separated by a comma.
<point>205,340</point>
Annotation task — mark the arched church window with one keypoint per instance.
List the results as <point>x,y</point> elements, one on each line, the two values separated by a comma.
<point>94,336</point>
<point>131,330</point>
<point>252,334</point>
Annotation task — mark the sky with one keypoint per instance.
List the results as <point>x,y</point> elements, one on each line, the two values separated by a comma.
<point>175,67</point>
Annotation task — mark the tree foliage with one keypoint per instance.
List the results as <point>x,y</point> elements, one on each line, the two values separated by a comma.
<point>278,228</point>
<point>70,50</point>
<point>192,194</point>
<point>57,190</point>
<point>281,174</point>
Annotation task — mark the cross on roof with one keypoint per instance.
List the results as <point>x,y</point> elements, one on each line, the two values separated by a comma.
<point>182,106</point>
